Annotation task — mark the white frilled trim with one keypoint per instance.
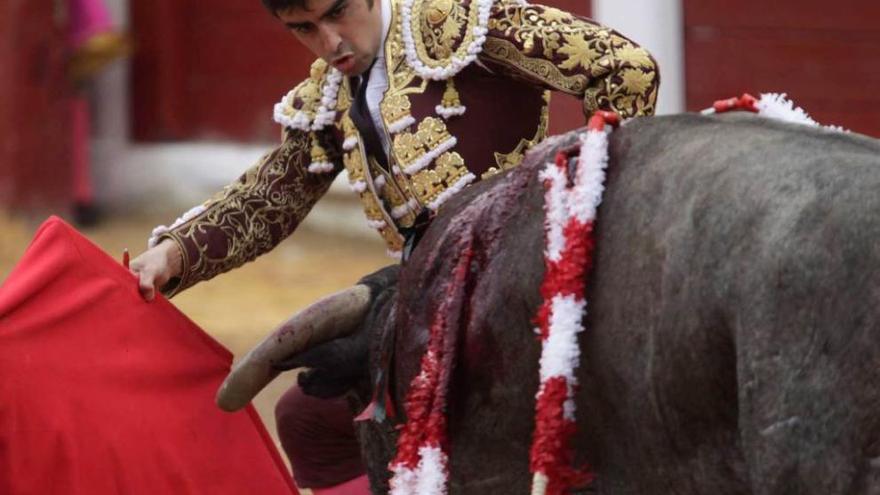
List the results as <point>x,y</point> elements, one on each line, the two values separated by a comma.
<point>561,353</point>
<point>401,211</point>
<point>400,125</point>
<point>456,64</point>
<point>299,121</point>
<point>778,106</point>
<point>403,481</point>
<point>428,478</point>
<point>162,230</point>
<point>320,167</point>
<point>350,143</point>
<point>432,471</point>
<point>430,156</point>
<point>451,191</point>
<point>590,177</point>
<point>396,170</point>
<point>447,112</point>
<point>397,255</point>
<point>358,186</point>
<point>379,182</point>
<point>377,224</point>
<point>324,115</point>
<point>556,210</point>
<point>540,483</point>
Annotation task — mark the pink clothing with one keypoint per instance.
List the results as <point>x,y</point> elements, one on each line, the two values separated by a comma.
<point>87,18</point>
<point>318,437</point>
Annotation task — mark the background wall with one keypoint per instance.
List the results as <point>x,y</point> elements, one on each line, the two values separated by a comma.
<point>216,72</point>
<point>825,55</point>
<point>34,143</point>
<point>195,108</point>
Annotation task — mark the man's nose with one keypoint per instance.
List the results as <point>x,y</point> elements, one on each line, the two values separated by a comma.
<point>330,39</point>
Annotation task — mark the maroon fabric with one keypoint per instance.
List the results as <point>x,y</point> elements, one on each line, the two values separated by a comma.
<point>318,437</point>
<point>103,393</point>
<point>357,486</point>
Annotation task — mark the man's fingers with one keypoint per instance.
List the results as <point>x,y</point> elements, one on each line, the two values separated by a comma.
<point>147,285</point>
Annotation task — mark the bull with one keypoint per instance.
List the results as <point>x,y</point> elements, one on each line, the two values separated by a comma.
<point>733,326</point>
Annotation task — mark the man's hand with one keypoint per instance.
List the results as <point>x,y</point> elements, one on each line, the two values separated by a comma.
<point>156,266</point>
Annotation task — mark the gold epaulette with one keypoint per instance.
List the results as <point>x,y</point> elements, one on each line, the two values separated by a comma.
<point>314,103</point>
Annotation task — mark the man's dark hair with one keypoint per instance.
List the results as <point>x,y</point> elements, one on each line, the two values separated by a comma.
<point>276,6</point>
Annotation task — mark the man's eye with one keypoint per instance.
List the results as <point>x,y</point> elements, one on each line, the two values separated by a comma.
<point>336,14</point>
<point>303,29</point>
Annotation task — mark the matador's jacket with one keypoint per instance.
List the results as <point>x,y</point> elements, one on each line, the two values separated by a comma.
<point>468,93</point>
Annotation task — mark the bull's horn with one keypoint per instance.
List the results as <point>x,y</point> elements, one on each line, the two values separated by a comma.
<point>334,316</point>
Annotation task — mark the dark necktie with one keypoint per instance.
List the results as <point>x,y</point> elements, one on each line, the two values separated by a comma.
<point>360,115</point>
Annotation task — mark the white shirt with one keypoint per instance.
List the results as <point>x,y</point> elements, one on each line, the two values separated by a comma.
<point>378,82</point>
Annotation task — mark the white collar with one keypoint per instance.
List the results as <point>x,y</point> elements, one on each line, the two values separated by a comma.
<point>385,5</point>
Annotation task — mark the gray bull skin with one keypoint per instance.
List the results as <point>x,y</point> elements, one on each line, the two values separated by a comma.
<point>732,341</point>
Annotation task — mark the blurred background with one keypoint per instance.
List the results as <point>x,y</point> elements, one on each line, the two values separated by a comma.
<point>120,114</point>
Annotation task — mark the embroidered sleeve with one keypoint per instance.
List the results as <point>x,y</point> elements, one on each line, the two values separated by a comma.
<point>252,215</point>
<point>563,52</point>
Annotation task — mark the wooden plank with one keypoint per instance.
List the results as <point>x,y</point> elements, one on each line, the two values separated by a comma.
<point>852,15</point>
<point>833,64</point>
<point>7,143</point>
<point>35,173</point>
<point>826,58</point>
<point>217,72</point>
<point>160,68</point>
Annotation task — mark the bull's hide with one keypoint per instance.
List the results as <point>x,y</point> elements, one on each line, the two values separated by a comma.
<point>733,334</point>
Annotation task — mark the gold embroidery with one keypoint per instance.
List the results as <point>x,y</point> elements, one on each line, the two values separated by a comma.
<point>430,183</point>
<point>371,207</point>
<point>440,26</point>
<point>451,98</point>
<point>348,128</point>
<point>437,11</point>
<point>546,71</point>
<point>306,96</point>
<point>395,199</point>
<point>573,55</point>
<point>395,108</point>
<point>443,29</point>
<point>493,171</point>
<point>410,148</point>
<point>354,164</point>
<point>515,157</point>
<point>317,152</point>
<point>432,132</point>
<point>400,75</point>
<point>252,215</point>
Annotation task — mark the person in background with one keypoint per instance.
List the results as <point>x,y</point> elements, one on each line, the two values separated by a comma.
<point>93,43</point>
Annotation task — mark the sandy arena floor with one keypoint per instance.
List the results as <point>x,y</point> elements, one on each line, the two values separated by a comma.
<point>240,307</point>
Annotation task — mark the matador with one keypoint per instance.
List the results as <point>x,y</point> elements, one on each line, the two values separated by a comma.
<point>414,100</point>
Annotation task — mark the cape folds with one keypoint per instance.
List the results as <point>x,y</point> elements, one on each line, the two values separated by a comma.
<point>104,393</point>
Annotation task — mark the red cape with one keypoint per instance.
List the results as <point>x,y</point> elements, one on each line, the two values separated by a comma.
<point>104,393</point>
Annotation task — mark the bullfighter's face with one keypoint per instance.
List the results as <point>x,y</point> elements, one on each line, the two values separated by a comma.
<point>345,33</point>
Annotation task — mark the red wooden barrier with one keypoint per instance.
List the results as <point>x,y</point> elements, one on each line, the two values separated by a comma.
<point>34,119</point>
<point>824,56</point>
<point>213,72</point>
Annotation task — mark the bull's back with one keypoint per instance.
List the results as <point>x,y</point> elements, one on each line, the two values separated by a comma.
<point>731,334</point>
<point>734,304</point>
